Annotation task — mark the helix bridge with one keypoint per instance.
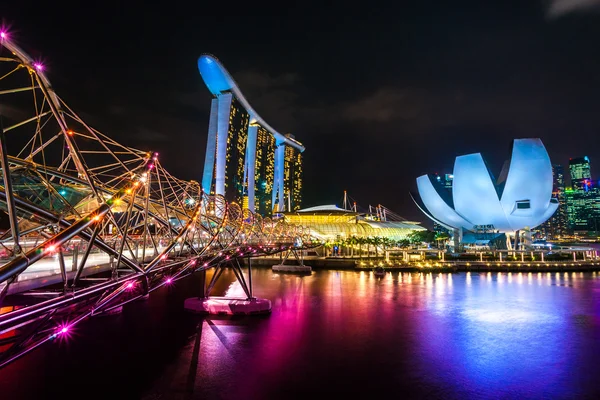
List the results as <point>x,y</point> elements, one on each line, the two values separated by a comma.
<point>91,225</point>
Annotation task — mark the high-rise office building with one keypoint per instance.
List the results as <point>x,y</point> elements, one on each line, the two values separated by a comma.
<point>557,226</point>
<point>582,199</point>
<point>580,171</point>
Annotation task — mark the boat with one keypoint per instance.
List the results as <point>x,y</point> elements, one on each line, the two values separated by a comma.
<point>378,271</point>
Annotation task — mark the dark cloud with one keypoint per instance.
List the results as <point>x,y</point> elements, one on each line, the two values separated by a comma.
<point>558,8</point>
<point>384,105</point>
<point>273,97</point>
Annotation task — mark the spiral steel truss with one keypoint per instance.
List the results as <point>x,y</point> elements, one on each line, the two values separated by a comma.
<point>107,223</point>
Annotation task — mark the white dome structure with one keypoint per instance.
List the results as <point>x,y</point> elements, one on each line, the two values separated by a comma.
<point>520,199</point>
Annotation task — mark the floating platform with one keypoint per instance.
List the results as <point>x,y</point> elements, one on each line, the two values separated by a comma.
<point>227,306</point>
<point>303,269</point>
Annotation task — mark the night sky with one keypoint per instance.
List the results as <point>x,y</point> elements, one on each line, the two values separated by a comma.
<point>377,98</point>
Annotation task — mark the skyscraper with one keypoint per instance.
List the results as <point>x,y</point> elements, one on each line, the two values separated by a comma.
<point>247,161</point>
<point>292,178</point>
<point>583,199</point>
<point>264,172</point>
<point>581,176</point>
<point>557,226</point>
<point>237,138</point>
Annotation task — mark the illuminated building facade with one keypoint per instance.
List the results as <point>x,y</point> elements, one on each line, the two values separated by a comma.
<point>329,222</point>
<point>557,226</point>
<point>580,171</point>
<point>264,171</point>
<point>235,156</point>
<point>520,199</point>
<point>292,178</point>
<point>582,200</point>
<point>247,161</point>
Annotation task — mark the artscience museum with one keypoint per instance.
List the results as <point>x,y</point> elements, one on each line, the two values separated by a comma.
<point>519,199</point>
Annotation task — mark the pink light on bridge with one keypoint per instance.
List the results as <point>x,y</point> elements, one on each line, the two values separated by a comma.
<point>63,330</point>
<point>3,35</point>
<point>169,280</point>
<point>38,66</point>
<point>129,286</point>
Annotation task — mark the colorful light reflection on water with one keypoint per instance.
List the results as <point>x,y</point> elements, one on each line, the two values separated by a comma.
<point>351,334</point>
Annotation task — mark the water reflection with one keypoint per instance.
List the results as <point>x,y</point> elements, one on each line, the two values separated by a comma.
<point>351,334</point>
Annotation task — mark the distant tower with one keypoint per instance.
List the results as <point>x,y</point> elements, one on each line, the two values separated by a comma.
<point>557,225</point>
<point>581,175</point>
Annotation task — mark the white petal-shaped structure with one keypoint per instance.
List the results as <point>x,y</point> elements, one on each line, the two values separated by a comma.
<point>522,200</point>
<point>437,207</point>
<point>474,193</point>
<point>528,189</point>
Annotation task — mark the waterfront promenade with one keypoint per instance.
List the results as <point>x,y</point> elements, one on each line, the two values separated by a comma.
<point>349,263</point>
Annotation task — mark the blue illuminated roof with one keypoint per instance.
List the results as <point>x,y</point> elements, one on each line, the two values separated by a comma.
<point>218,81</point>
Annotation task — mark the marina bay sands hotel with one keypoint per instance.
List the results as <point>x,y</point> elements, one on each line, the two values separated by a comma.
<point>247,161</point>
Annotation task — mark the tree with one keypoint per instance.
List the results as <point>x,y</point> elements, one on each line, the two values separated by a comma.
<point>419,237</point>
<point>377,241</point>
<point>402,243</point>
<point>441,237</point>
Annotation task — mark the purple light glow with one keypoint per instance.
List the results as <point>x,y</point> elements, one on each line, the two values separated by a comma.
<point>3,35</point>
<point>129,285</point>
<point>65,329</point>
<point>169,281</point>
<point>38,66</point>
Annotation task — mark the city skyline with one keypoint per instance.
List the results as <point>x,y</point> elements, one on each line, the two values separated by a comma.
<point>435,89</point>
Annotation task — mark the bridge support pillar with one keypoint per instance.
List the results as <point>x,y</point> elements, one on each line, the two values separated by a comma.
<point>202,275</point>
<point>206,304</point>
<point>299,268</point>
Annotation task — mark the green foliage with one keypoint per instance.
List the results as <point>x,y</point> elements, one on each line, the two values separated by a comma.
<point>419,237</point>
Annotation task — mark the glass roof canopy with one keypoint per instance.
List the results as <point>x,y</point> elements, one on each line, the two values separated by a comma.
<point>335,224</point>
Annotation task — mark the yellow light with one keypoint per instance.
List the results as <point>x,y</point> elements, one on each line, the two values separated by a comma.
<point>128,191</point>
<point>97,218</point>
